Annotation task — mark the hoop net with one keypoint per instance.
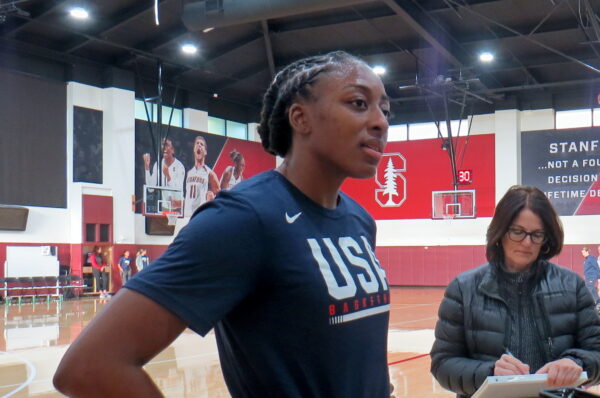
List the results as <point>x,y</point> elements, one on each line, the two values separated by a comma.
<point>171,217</point>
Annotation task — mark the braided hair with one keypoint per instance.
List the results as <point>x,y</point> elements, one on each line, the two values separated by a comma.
<point>293,82</point>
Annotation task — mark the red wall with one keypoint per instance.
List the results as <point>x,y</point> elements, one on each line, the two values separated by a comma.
<point>438,265</point>
<point>427,168</point>
<point>404,266</point>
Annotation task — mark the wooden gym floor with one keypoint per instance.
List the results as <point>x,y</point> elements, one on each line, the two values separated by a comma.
<point>33,338</point>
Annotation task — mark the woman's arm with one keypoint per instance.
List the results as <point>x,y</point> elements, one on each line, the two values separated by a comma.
<point>225,177</point>
<point>94,262</point>
<point>106,359</point>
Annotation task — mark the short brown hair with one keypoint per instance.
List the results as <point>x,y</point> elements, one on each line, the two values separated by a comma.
<point>516,199</point>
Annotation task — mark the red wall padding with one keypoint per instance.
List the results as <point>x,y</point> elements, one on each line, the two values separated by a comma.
<point>438,265</point>
<point>404,265</point>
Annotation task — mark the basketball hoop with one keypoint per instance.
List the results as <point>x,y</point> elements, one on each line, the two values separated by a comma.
<point>171,217</point>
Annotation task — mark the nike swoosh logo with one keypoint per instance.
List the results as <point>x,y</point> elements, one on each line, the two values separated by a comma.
<point>293,218</point>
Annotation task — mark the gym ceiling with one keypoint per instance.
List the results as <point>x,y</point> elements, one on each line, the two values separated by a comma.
<point>546,53</point>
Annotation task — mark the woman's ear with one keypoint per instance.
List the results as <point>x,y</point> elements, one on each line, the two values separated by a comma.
<point>298,118</point>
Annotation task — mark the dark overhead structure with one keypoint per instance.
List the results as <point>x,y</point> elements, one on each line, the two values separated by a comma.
<point>547,52</point>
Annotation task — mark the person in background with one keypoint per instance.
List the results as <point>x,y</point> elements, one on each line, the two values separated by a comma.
<point>125,267</point>
<point>98,269</point>
<point>591,273</point>
<point>141,260</point>
<point>519,313</point>
<point>257,263</point>
<point>233,174</point>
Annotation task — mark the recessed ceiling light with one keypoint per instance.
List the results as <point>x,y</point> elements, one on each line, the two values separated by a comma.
<point>189,49</point>
<point>207,30</point>
<point>379,70</point>
<point>486,56</point>
<point>79,13</point>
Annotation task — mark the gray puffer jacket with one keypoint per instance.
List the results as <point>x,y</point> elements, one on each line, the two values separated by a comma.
<point>474,325</point>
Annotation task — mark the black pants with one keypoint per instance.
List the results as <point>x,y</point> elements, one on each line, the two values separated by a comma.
<point>101,280</point>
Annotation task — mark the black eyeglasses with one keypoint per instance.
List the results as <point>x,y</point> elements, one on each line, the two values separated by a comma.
<point>518,235</point>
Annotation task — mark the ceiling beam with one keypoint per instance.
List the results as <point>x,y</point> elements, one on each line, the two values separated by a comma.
<point>526,37</point>
<point>114,22</point>
<point>411,16</point>
<point>268,48</point>
<point>243,75</point>
<point>44,8</point>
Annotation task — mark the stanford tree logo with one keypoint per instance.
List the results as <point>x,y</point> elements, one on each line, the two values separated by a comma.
<point>391,181</point>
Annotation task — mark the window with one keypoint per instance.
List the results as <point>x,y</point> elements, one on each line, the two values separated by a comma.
<point>574,118</point>
<point>596,117</point>
<point>90,232</point>
<point>421,131</point>
<point>216,125</point>
<point>104,233</point>
<point>227,128</point>
<point>398,132</point>
<point>236,130</point>
<point>176,118</point>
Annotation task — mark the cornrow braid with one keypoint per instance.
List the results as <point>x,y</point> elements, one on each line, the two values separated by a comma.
<point>294,81</point>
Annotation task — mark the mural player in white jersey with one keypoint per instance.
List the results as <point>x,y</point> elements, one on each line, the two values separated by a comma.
<point>173,171</point>
<point>201,183</point>
<point>233,174</point>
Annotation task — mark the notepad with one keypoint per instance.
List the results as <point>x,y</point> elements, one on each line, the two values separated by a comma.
<point>518,386</point>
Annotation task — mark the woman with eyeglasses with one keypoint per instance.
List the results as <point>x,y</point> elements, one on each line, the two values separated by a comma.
<point>519,313</point>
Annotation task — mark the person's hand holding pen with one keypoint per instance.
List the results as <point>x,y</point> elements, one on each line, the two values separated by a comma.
<point>562,372</point>
<point>508,365</point>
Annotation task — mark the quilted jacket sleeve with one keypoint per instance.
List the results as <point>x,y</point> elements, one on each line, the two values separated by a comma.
<point>450,364</point>
<point>588,334</point>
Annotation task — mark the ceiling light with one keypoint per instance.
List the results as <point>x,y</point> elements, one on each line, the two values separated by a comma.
<point>207,30</point>
<point>189,49</point>
<point>486,56</point>
<point>379,70</point>
<point>79,13</point>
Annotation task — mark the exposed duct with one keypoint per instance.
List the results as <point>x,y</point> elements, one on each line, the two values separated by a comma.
<point>204,14</point>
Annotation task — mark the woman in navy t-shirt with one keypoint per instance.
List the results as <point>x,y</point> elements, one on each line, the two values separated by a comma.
<point>282,266</point>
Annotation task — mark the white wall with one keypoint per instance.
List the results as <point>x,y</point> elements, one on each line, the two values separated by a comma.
<point>195,119</point>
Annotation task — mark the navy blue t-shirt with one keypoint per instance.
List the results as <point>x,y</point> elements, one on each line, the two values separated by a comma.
<point>299,303</point>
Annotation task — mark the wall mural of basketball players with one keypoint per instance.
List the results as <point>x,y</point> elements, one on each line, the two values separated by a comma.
<point>204,158</point>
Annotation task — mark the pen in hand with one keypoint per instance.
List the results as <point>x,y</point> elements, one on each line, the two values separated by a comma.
<point>508,365</point>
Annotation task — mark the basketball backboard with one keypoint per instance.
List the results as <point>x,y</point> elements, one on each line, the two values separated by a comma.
<point>158,200</point>
<point>453,204</point>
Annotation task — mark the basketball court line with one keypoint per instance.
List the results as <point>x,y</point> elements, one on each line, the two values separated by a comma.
<point>32,374</point>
